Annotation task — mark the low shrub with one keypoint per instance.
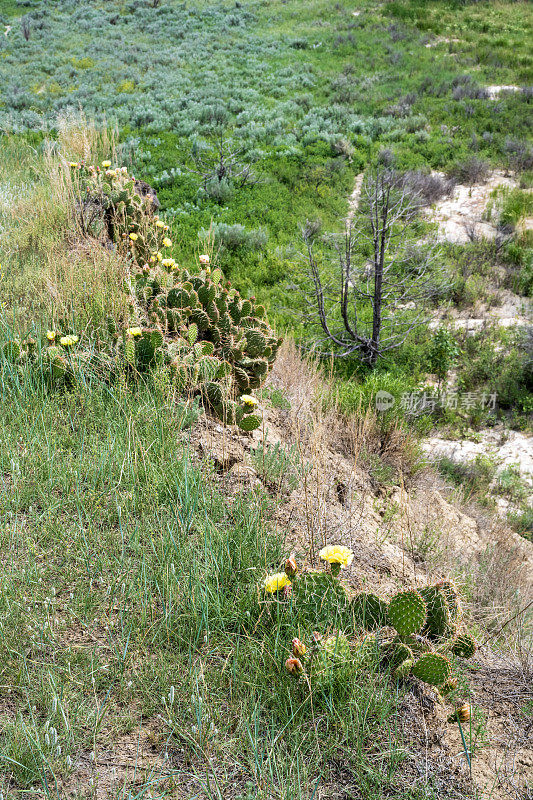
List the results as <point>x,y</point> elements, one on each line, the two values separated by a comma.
<point>476,475</point>
<point>236,236</point>
<point>426,187</point>
<point>280,467</point>
<point>471,170</point>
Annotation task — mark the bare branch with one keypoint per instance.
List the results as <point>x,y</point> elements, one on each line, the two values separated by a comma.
<point>401,275</point>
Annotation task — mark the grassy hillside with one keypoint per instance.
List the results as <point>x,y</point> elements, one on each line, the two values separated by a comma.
<point>301,96</point>
<point>140,654</point>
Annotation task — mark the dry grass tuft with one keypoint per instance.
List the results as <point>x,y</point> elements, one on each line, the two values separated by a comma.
<point>65,274</point>
<point>85,277</point>
<point>301,380</point>
<point>81,139</point>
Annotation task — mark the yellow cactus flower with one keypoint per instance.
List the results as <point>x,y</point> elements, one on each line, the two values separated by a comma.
<point>277,582</point>
<point>249,402</point>
<point>134,331</point>
<point>159,223</point>
<point>152,259</point>
<point>133,237</point>
<point>51,335</point>
<point>168,262</point>
<point>106,164</point>
<point>337,554</point>
<point>74,164</point>
<point>204,259</point>
<point>159,256</point>
<point>68,341</point>
<point>167,242</point>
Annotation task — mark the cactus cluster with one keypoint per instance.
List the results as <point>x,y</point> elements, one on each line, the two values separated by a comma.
<point>127,207</point>
<point>215,343</point>
<point>326,658</point>
<point>427,622</point>
<point>218,344</point>
<point>414,633</point>
<point>57,358</point>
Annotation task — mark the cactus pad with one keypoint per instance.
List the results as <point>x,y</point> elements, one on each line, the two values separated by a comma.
<point>449,590</point>
<point>250,422</point>
<point>368,611</point>
<point>438,623</point>
<point>12,350</point>
<point>331,655</point>
<point>407,612</point>
<point>395,653</point>
<point>403,669</point>
<point>463,646</point>
<point>432,668</point>
<point>318,597</point>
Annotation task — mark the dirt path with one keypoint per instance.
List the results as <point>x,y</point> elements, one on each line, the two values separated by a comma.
<point>353,200</point>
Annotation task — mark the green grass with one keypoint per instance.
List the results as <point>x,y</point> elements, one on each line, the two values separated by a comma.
<point>130,597</point>
<point>307,111</point>
<point>10,8</point>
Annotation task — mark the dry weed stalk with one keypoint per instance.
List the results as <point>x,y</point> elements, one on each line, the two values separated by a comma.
<point>316,428</point>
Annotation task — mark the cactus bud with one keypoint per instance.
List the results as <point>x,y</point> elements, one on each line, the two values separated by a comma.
<point>298,648</point>
<point>294,666</point>
<point>461,714</point>
<point>449,686</point>
<point>291,567</point>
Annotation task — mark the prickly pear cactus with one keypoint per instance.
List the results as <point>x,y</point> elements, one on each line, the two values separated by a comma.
<point>56,364</point>
<point>249,422</point>
<point>403,669</point>
<point>142,348</point>
<point>463,646</point>
<point>368,611</point>
<point>231,338</point>
<point>439,621</point>
<point>12,351</point>
<point>319,597</point>
<point>334,648</point>
<point>432,668</point>
<point>407,612</point>
<point>217,344</point>
<point>127,211</point>
<point>395,653</point>
<point>453,601</point>
<point>330,659</point>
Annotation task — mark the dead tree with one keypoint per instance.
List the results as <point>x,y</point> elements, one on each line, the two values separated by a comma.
<point>368,309</point>
<point>221,161</point>
<point>25,27</point>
